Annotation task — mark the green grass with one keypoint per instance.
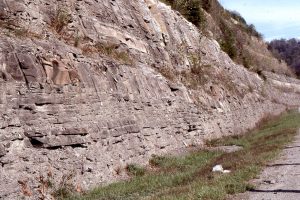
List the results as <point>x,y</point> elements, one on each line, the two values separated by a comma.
<point>190,176</point>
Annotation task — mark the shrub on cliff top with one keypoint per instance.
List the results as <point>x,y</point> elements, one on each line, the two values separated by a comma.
<point>190,9</point>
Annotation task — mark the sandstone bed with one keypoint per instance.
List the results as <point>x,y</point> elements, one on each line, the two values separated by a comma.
<point>68,105</point>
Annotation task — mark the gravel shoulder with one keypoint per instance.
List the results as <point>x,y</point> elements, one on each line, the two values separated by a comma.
<point>281,179</point>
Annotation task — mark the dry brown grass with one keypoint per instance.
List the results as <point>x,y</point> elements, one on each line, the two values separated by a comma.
<point>60,19</point>
<point>193,78</point>
<point>168,73</point>
<point>109,51</point>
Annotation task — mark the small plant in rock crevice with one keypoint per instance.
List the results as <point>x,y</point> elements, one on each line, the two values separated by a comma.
<point>109,50</point>
<point>65,187</point>
<point>197,75</point>
<point>50,188</point>
<point>61,19</point>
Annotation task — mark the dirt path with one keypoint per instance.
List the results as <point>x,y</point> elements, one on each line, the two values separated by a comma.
<point>281,179</point>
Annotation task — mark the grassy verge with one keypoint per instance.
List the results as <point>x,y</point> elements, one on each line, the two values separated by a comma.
<point>190,176</point>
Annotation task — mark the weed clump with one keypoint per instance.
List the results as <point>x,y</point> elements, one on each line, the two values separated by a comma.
<point>112,51</point>
<point>197,75</point>
<point>109,50</point>
<point>50,188</point>
<point>168,73</point>
<point>60,19</point>
<point>65,188</point>
<point>136,170</point>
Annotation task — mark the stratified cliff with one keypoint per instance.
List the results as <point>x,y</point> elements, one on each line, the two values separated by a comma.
<point>89,86</point>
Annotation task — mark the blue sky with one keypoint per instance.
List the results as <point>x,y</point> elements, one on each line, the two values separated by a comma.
<point>273,18</point>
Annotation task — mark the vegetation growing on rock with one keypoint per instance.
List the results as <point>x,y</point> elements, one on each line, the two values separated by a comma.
<point>191,9</point>
<point>190,176</point>
<point>236,37</point>
<point>287,50</point>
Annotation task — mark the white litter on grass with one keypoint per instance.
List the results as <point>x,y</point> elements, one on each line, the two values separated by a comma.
<point>219,168</point>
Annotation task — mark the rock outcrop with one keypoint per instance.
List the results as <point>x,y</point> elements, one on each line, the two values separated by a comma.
<point>88,87</point>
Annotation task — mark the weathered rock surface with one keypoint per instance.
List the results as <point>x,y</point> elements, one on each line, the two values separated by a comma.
<point>90,86</point>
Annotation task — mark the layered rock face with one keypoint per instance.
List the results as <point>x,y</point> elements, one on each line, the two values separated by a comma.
<point>88,87</point>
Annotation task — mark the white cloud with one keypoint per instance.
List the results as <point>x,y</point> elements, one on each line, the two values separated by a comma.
<point>272,15</point>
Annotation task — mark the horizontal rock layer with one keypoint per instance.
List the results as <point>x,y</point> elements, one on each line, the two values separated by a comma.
<point>113,83</point>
